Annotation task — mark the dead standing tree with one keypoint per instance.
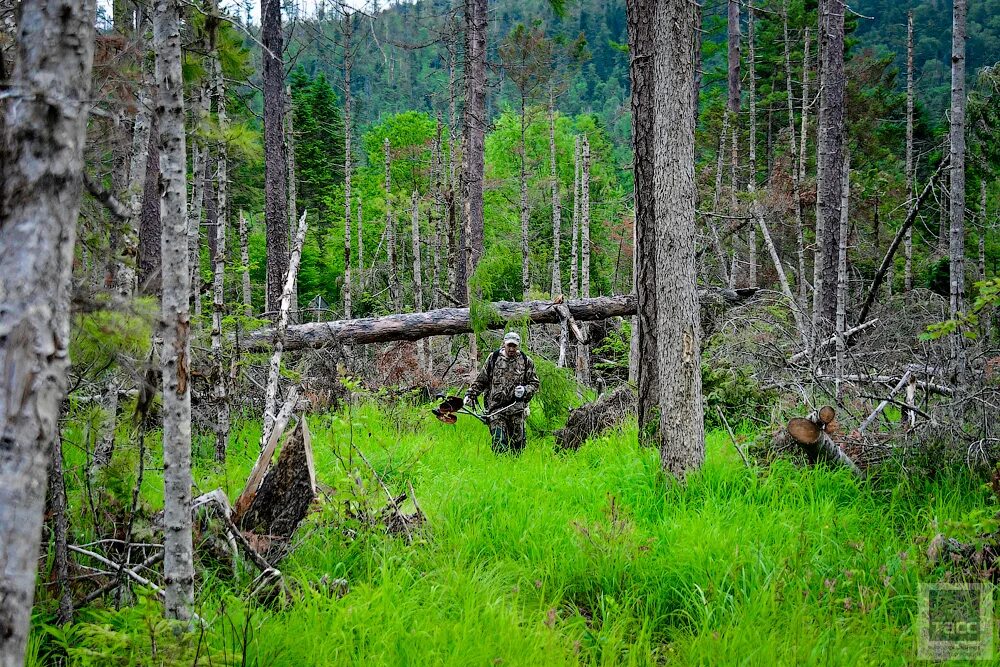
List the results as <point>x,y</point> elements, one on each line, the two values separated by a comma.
<point>44,131</point>
<point>275,159</point>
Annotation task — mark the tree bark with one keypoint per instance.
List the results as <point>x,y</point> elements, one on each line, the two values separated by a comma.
<point>525,248</point>
<point>842,292</point>
<point>125,278</point>
<point>175,354</point>
<point>292,192</point>
<point>418,286</point>
<point>275,178</point>
<point>797,174</point>
<point>219,267</point>
<point>752,144</point>
<point>476,21</point>
<point>556,288</point>
<point>60,526</point>
<point>274,368</point>
<point>452,321</point>
<point>983,228</point>
<point>957,185</point>
<point>583,348</point>
<point>361,250</point>
<point>347,29</point>
<point>831,157</point>
<point>641,19</point>
<point>149,220</point>
<point>199,178</point>
<point>390,227</point>
<point>574,258</point>
<point>44,131</point>
<point>681,424</point>
<point>245,268</point>
<point>910,181</point>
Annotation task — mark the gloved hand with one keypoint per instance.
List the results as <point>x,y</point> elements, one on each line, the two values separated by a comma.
<point>519,391</point>
<point>468,400</point>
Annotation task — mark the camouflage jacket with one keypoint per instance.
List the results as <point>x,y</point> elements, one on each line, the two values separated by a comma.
<point>497,379</point>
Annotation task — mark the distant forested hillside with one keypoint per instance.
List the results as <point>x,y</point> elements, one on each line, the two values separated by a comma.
<point>405,64</point>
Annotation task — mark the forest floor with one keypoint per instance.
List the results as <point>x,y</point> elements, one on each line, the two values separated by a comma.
<point>587,557</point>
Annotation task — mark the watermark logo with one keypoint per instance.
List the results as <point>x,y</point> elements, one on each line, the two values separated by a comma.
<point>955,622</point>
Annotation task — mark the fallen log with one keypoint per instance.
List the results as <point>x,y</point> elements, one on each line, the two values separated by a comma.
<point>932,387</point>
<point>593,418</point>
<point>848,335</point>
<point>452,321</point>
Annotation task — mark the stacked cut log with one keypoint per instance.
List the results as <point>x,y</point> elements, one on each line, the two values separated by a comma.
<point>813,435</point>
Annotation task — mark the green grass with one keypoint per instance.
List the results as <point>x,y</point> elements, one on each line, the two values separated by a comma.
<point>590,557</point>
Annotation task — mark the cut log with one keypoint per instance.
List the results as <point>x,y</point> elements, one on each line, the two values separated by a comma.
<point>827,414</point>
<point>451,321</point>
<point>592,419</point>
<point>804,431</point>
<point>816,442</point>
<point>285,493</point>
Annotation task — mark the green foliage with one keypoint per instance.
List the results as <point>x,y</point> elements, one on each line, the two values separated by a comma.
<point>101,336</point>
<point>586,558</point>
<point>556,395</point>
<point>614,352</point>
<point>734,391</point>
<point>319,146</point>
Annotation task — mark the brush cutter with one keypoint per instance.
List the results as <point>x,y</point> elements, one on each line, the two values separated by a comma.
<point>452,406</point>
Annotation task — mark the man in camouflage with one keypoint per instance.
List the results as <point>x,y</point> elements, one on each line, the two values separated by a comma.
<point>507,382</point>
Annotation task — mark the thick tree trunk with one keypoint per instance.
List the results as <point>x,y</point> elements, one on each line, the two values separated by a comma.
<point>476,21</point>
<point>957,189</point>
<point>910,181</point>
<point>641,20</point>
<point>347,29</point>
<point>583,348</point>
<point>275,178</point>
<point>681,425</point>
<point>245,268</point>
<point>831,157</point>
<point>175,354</point>
<point>44,131</point>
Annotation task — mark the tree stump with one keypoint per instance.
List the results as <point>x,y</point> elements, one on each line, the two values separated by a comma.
<point>591,419</point>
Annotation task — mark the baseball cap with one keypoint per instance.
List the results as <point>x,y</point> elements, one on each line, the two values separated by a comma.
<point>512,337</point>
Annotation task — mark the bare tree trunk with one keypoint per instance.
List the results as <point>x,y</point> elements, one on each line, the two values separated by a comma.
<point>910,181</point>
<point>149,220</point>
<point>175,354</point>
<point>476,22</point>
<point>583,349</point>
<point>418,283</point>
<point>275,166</point>
<point>525,248</point>
<point>752,179</point>
<point>556,206</point>
<point>435,213</point>
<point>245,268</point>
<point>293,206</point>
<point>797,176</point>
<point>199,178</point>
<point>831,156</point>
<point>456,239</point>
<point>641,16</point>
<point>957,185</point>
<point>125,275</point>
<point>681,426</point>
<point>983,228</point>
<point>361,250</point>
<point>574,261</point>
<point>347,30</point>
<point>219,267</point>
<point>274,368</point>
<point>394,285</point>
<point>733,110</point>
<point>842,292</point>
<point>60,525</point>
<point>719,164</point>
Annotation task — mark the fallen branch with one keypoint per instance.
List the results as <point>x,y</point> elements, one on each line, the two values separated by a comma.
<point>932,387</point>
<point>882,405</point>
<point>850,333</point>
<point>117,581</point>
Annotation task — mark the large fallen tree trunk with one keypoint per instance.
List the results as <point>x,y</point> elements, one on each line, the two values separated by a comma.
<point>451,321</point>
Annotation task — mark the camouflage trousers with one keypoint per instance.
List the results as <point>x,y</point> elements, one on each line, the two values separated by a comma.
<point>508,434</point>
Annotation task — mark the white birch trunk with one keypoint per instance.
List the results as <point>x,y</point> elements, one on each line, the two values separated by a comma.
<point>175,354</point>
<point>274,368</point>
<point>44,131</point>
